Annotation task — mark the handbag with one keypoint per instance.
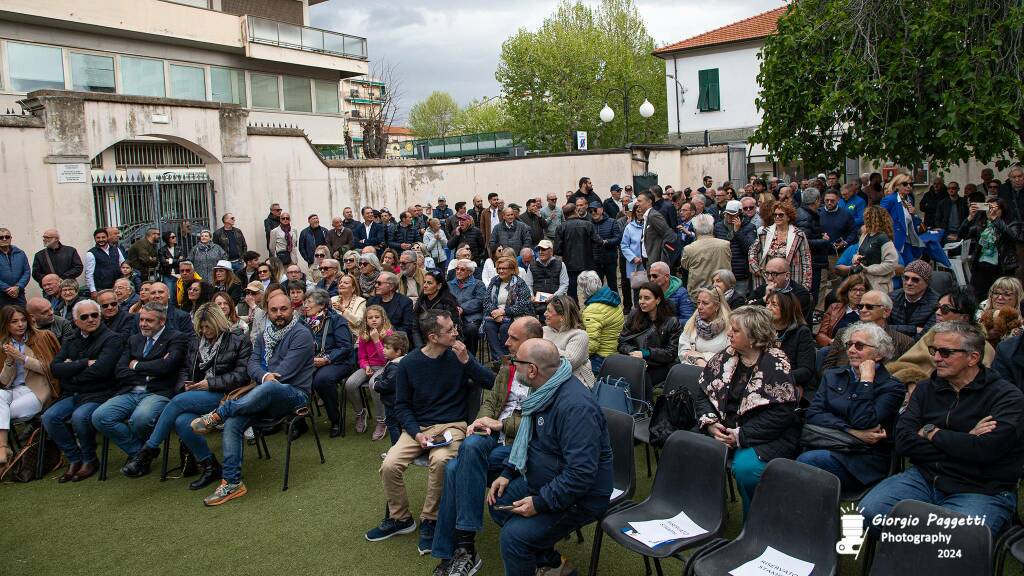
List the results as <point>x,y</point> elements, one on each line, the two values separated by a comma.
<point>613,393</point>
<point>22,467</point>
<point>638,278</point>
<point>673,411</point>
<point>813,437</point>
<point>238,392</point>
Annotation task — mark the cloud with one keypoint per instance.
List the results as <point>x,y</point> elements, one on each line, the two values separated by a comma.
<point>454,45</point>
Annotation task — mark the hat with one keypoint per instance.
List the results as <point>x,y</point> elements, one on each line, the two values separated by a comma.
<point>441,199</point>
<point>595,205</point>
<point>254,286</point>
<point>464,216</point>
<point>733,206</point>
<point>545,244</point>
<point>921,268</point>
<point>821,175</point>
<point>515,207</point>
<point>222,264</point>
<point>616,188</point>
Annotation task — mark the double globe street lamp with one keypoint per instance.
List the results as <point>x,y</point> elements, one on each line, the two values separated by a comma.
<point>607,114</point>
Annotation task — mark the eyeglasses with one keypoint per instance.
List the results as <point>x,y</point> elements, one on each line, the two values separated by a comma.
<point>90,316</point>
<point>770,274</point>
<point>749,208</point>
<point>172,237</point>
<point>866,306</point>
<point>908,184</point>
<point>285,218</point>
<point>263,271</point>
<point>364,263</point>
<point>778,215</point>
<point>5,237</point>
<point>947,309</point>
<point>945,352</point>
<point>252,292</point>
<point>109,305</point>
<point>912,279</point>
<point>515,360</point>
<point>350,260</point>
<point>1001,294</point>
<point>860,346</point>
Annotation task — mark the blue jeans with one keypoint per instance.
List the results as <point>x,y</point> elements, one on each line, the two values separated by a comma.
<point>911,485</point>
<point>824,460</point>
<point>271,399</point>
<point>747,469</point>
<point>527,543</point>
<point>127,418</point>
<point>497,335</point>
<point>179,414</point>
<point>78,443</point>
<point>596,362</point>
<point>465,482</point>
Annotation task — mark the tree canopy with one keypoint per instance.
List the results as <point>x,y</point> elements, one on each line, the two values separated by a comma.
<point>554,80</point>
<point>906,80</point>
<point>435,116</point>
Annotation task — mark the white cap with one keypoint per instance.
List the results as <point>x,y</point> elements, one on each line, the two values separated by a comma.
<point>733,206</point>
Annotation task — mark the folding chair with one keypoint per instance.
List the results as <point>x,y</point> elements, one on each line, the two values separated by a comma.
<point>260,426</point>
<point>634,371</point>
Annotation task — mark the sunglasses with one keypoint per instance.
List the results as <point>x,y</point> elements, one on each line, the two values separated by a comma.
<point>864,306</point>
<point>912,279</point>
<point>285,218</point>
<point>263,271</point>
<point>252,292</point>
<point>860,346</point>
<point>945,352</point>
<point>5,237</point>
<point>778,215</point>
<point>109,305</point>
<point>947,309</point>
<point>90,316</point>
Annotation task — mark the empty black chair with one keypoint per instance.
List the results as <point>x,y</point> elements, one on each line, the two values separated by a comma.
<point>691,480</point>
<point>942,281</point>
<point>795,510</point>
<point>262,426</point>
<point>634,371</point>
<point>969,551</point>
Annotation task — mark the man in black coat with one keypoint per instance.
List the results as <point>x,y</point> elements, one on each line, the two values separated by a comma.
<point>738,228</point>
<point>467,233</point>
<point>55,258</point>
<point>534,221</point>
<point>85,368</point>
<point>115,316</point>
<point>575,240</point>
<point>606,256</point>
<point>176,317</point>
<point>273,220</point>
<point>397,306</point>
<point>585,191</point>
<point>951,212</point>
<point>147,376</point>
<point>807,219</point>
<point>777,272</point>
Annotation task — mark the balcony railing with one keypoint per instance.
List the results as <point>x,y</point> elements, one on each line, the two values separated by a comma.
<point>275,33</point>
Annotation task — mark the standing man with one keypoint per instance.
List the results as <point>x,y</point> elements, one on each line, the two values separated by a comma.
<point>613,205</point>
<point>231,240</point>
<point>284,241</point>
<point>1012,192</point>
<point>575,241</point>
<point>442,211</point>
<point>490,217</point>
<point>14,271</point>
<point>477,212</point>
<point>102,263</point>
<point>369,233</point>
<point>552,213</point>
<point>808,220</point>
<point>585,190</point>
<point>558,476</point>
<point>951,212</point>
<point>854,203</point>
<point>510,233</point>
<point>405,234</point>
<point>534,221</point>
<point>468,234</point>
<point>655,231</point>
<point>142,255</point>
<point>741,232</point>
<point>838,225</point>
<point>313,236</point>
<point>273,220</point>
<point>708,188</point>
<point>56,258</point>
<point>348,221</point>
<point>339,238</point>
<point>606,255</point>
<point>452,222</point>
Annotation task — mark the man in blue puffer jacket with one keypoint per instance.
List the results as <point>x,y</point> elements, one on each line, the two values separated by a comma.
<point>14,271</point>
<point>674,291</point>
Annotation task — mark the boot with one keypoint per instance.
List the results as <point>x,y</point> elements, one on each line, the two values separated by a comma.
<point>139,464</point>
<point>188,461</point>
<point>211,472</point>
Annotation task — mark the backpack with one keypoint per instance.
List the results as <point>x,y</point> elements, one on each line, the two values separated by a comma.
<point>613,393</point>
<point>23,467</point>
<point>672,411</point>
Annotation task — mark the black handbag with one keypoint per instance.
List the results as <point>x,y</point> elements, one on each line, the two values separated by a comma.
<point>814,437</point>
<point>673,411</point>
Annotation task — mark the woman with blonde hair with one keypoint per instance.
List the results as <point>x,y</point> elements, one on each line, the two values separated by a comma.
<point>704,334</point>
<point>508,298</point>
<point>564,327</point>
<point>1000,313</point>
<point>877,257</point>
<point>350,302</point>
<point>899,203</point>
<point>26,385</point>
<point>780,239</point>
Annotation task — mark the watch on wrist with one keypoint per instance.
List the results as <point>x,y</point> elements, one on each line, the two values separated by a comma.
<point>928,429</point>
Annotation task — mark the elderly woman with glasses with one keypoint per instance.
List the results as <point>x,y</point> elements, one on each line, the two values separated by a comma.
<point>471,294</point>
<point>1000,315</point>
<point>206,254</point>
<point>725,281</point>
<point>843,311</point>
<point>861,403</point>
<point>68,298</point>
<point>350,263</point>
<point>369,270</point>
<point>508,298</point>
<point>334,355</point>
<point>749,401</point>
<point>780,239</point>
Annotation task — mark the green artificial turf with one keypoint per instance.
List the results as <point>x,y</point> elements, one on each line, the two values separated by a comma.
<point>144,526</point>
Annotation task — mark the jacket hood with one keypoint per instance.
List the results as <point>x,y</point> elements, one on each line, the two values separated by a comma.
<point>604,295</point>
<point>674,283</point>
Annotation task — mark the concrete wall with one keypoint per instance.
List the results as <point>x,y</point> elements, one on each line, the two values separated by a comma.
<point>711,161</point>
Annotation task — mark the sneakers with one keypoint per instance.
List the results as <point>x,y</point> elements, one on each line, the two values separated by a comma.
<point>390,527</point>
<point>564,569</point>
<point>426,536</point>
<point>464,563</point>
<point>226,491</point>
<point>443,568</point>
<point>205,423</point>
<point>379,431</point>
<point>361,422</point>
<point>250,436</point>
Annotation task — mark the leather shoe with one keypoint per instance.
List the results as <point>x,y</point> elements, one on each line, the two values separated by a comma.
<point>298,429</point>
<point>211,472</point>
<point>335,430</point>
<point>139,464</point>
<point>70,474</point>
<point>86,470</point>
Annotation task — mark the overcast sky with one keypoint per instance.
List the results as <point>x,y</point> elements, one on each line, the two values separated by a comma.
<point>454,45</point>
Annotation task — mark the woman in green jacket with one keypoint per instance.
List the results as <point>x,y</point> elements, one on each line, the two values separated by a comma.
<point>602,317</point>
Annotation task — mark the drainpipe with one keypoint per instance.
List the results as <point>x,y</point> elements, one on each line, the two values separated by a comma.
<point>675,78</point>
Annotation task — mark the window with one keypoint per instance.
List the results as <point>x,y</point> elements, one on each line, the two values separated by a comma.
<point>326,97</point>
<point>188,82</point>
<point>264,91</point>
<point>142,77</point>
<point>227,85</point>
<point>196,3</point>
<point>35,67</point>
<point>92,73</point>
<point>708,99</point>
<point>297,97</point>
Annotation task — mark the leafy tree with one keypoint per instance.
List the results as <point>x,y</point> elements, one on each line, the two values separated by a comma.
<point>434,117</point>
<point>554,80</point>
<point>906,80</point>
<point>483,116</point>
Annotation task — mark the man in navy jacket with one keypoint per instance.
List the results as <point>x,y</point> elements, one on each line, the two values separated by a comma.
<point>565,478</point>
<point>369,232</point>
<point>14,271</point>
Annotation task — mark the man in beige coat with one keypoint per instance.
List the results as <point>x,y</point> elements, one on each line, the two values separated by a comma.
<point>706,254</point>
<point>284,241</point>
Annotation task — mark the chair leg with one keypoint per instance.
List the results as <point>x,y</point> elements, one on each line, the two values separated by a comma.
<point>647,566</point>
<point>869,554</point>
<point>595,550</point>
<point>316,436</point>
<point>579,536</point>
<point>343,399</point>
<point>163,464</point>
<point>42,452</point>
<point>266,449</point>
<point>657,567</point>
<point>288,452</point>
<point>647,457</point>
<point>104,456</point>
<point>256,441</point>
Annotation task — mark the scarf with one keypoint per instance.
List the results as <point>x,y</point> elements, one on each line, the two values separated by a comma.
<point>708,330</point>
<point>314,322</point>
<point>767,245</point>
<point>272,337</point>
<point>537,401</point>
<point>207,351</point>
<point>287,229</point>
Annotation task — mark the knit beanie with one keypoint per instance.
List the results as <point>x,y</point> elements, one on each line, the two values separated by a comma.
<point>921,268</point>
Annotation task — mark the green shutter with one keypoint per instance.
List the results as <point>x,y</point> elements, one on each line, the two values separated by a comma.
<point>708,98</point>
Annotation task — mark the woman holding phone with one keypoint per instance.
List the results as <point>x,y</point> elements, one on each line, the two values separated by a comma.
<point>995,252</point>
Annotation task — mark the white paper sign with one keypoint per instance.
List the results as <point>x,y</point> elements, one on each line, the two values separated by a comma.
<point>447,439</point>
<point>654,532</point>
<point>615,494</point>
<point>72,174</point>
<point>771,562</point>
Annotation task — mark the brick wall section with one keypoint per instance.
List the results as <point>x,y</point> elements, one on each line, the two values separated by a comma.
<point>288,11</point>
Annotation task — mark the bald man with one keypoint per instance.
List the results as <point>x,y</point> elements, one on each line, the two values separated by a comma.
<point>777,277</point>
<point>558,476</point>
<point>56,258</point>
<point>41,312</point>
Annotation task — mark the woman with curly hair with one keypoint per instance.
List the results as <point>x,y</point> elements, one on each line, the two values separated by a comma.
<point>876,256</point>
<point>843,311</point>
<point>1000,314</point>
<point>780,239</point>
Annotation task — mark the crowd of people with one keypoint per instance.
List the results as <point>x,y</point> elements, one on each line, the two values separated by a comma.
<point>811,307</point>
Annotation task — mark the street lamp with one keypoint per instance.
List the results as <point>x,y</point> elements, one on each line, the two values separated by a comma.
<point>607,114</point>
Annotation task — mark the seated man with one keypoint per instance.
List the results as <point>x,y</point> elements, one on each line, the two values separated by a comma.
<point>398,306</point>
<point>488,442</point>
<point>147,375</point>
<point>124,290</point>
<point>968,458</point>
<point>913,306</point>
<point>85,367</point>
<point>42,316</point>
<point>176,317</point>
<point>116,317</point>
<point>874,307</point>
<point>776,273</point>
<point>430,400</point>
<point>282,364</point>
<point>558,476</point>
<point>674,290</point>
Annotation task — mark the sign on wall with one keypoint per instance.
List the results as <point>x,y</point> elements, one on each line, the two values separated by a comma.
<point>581,140</point>
<point>72,174</point>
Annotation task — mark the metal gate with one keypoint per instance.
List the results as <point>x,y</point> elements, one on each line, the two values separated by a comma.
<point>182,203</point>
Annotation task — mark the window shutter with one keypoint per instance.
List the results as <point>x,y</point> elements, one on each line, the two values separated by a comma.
<point>714,100</point>
<point>702,90</point>
<point>708,98</point>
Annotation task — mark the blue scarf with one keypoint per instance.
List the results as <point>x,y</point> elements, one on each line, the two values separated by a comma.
<point>537,401</point>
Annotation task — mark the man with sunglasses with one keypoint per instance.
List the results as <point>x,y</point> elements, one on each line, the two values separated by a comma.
<point>961,430</point>
<point>85,367</point>
<point>739,229</point>
<point>777,279</point>
<point>913,306</point>
<point>875,307</point>
<point>115,316</point>
<point>14,271</point>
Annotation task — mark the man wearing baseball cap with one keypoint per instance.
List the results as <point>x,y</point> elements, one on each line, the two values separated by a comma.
<point>606,255</point>
<point>613,205</point>
<point>738,228</point>
<point>442,211</point>
<point>546,276</point>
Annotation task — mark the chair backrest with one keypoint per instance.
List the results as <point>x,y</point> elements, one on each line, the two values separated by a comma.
<point>796,511</point>
<point>969,551</point>
<point>620,435</point>
<point>474,397</point>
<point>941,282</point>
<point>691,477</point>
<point>680,376</point>
<point>634,370</point>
